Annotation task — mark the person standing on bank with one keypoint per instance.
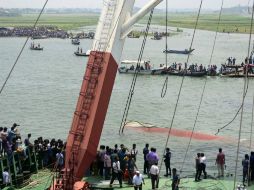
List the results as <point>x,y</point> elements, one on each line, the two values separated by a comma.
<point>145,152</point>
<point>154,172</point>
<point>167,158</point>
<point>198,167</point>
<point>117,172</point>
<point>152,158</point>
<point>220,161</point>
<point>138,180</point>
<point>134,152</point>
<point>175,180</point>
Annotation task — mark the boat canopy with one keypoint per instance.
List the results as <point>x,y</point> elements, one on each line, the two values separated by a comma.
<point>134,62</point>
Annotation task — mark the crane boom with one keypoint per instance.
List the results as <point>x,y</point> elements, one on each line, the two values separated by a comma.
<point>96,88</point>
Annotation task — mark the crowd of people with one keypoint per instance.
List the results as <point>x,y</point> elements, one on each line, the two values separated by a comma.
<point>112,163</point>
<point>120,163</point>
<point>50,152</point>
<point>40,31</point>
<point>192,67</point>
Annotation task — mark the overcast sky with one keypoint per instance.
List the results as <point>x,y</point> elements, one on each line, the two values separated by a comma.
<point>173,4</point>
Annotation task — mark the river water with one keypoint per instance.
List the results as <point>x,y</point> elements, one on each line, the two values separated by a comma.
<point>42,92</point>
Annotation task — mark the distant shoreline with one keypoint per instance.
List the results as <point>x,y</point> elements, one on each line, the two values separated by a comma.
<point>230,23</point>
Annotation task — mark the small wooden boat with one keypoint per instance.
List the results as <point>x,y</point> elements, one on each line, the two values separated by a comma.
<point>80,54</point>
<point>75,41</point>
<point>39,37</point>
<point>36,48</point>
<point>187,73</point>
<point>144,68</point>
<point>186,51</point>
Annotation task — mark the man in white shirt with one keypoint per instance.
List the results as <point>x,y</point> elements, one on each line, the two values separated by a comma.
<point>203,165</point>
<point>6,177</point>
<point>137,181</point>
<point>116,172</point>
<point>154,172</point>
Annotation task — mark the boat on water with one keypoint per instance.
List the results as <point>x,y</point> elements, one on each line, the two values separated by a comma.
<point>237,71</point>
<point>75,41</point>
<point>187,73</point>
<point>36,47</point>
<point>80,53</point>
<point>143,68</point>
<point>39,37</point>
<point>186,51</point>
<point>157,36</point>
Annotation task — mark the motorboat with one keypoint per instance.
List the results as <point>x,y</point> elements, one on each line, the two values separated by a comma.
<point>186,51</point>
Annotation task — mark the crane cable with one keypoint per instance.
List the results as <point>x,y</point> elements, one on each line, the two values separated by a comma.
<point>134,79</point>
<point>236,114</point>
<point>181,85</point>
<point>202,95</point>
<point>165,85</point>
<point>244,95</point>
<point>22,49</point>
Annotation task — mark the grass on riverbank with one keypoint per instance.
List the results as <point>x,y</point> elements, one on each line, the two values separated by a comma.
<point>229,22</point>
<point>63,21</point>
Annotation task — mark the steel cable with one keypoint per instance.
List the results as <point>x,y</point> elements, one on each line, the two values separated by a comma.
<point>181,85</point>
<point>134,79</point>
<point>246,79</point>
<point>165,85</point>
<point>203,91</point>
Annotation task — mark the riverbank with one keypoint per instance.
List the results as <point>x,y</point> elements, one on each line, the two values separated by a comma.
<point>230,23</point>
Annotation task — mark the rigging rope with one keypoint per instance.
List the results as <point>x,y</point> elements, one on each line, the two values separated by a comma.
<point>21,51</point>
<point>238,111</point>
<point>132,88</point>
<point>244,95</point>
<point>165,85</point>
<point>181,85</point>
<point>203,91</point>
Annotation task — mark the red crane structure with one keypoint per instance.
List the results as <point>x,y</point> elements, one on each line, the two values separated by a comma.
<point>115,23</point>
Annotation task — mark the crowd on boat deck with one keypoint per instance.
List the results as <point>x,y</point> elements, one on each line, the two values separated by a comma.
<point>192,67</point>
<point>146,66</point>
<point>35,46</point>
<point>50,151</point>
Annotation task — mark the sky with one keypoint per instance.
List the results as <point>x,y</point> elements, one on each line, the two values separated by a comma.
<point>173,4</point>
